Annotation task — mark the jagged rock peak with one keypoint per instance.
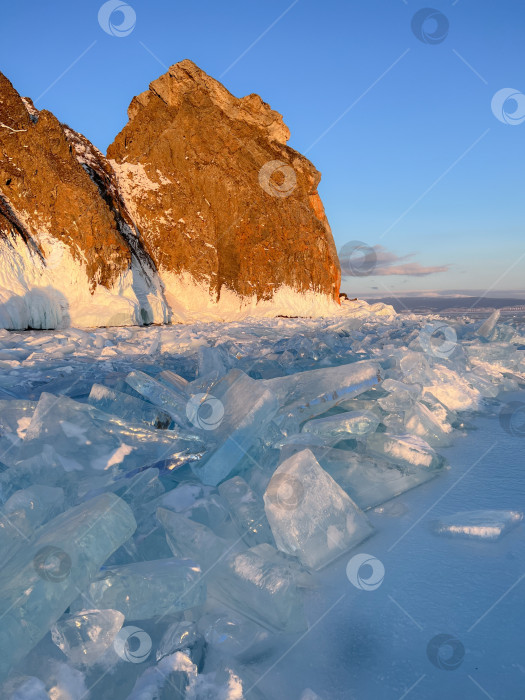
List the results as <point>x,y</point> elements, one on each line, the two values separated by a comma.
<point>185,78</point>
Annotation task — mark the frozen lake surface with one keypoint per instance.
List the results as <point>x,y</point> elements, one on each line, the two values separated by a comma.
<point>151,476</point>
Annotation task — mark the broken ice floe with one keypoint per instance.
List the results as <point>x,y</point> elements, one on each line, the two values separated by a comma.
<point>192,480</point>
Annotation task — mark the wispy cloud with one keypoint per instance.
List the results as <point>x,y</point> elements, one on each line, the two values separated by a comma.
<point>380,262</point>
<point>388,263</point>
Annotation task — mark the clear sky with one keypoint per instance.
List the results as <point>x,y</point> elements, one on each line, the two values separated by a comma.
<point>413,157</point>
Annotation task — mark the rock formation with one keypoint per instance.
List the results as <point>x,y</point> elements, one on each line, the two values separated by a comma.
<point>199,206</point>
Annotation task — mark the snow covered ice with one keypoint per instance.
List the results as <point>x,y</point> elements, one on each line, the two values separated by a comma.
<point>478,524</point>
<point>208,484</point>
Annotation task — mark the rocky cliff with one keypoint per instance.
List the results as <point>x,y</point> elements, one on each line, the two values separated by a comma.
<point>199,209</point>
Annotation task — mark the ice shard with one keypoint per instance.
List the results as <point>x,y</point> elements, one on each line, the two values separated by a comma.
<point>404,450</point>
<point>401,396</point>
<point>159,394</point>
<point>256,585</point>
<point>43,578</point>
<point>234,635</point>
<point>487,327</point>
<point>189,539</point>
<point>85,636</point>
<point>25,511</point>
<point>15,417</point>
<point>308,394</point>
<point>420,421</point>
<point>147,588</point>
<point>370,481</point>
<point>241,408</point>
<point>343,425</point>
<point>79,437</point>
<point>173,381</point>
<point>170,678</point>
<point>311,516</point>
<point>181,635</point>
<point>247,511</point>
<point>127,407</point>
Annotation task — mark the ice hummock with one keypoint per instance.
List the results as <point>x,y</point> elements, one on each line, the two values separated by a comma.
<point>142,417</point>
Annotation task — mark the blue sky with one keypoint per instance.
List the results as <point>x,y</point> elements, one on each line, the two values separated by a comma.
<point>413,158</point>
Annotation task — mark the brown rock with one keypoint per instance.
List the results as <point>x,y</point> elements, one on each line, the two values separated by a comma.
<point>199,185</point>
<point>215,190</point>
<point>45,189</point>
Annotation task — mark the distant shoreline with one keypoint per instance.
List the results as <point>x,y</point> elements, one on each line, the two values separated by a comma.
<point>470,305</point>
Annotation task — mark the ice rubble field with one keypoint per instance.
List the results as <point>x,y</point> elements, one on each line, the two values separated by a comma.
<point>228,511</point>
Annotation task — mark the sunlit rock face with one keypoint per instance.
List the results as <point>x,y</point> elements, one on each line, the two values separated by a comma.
<point>216,191</point>
<point>199,207</point>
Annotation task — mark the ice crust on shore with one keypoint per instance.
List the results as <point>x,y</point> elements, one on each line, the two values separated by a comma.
<point>190,482</point>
